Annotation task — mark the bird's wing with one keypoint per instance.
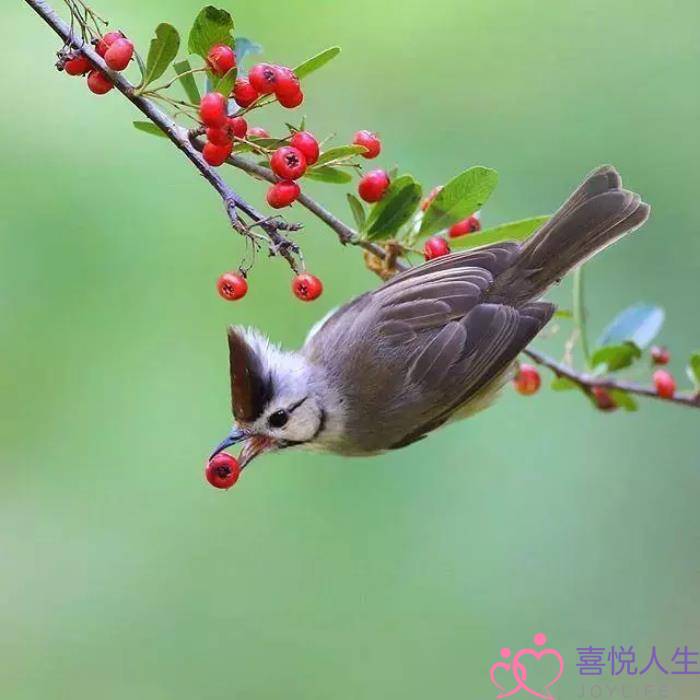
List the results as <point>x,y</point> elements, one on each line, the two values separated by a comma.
<point>406,356</point>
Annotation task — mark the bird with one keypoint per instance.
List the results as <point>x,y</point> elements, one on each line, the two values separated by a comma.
<point>433,345</point>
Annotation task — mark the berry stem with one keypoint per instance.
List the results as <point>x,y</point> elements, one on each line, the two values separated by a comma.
<point>580,314</point>
<point>169,84</point>
<point>588,382</point>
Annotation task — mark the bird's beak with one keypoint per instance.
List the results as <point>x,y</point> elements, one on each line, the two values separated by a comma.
<point>233,438</point>
<point>254,446</point>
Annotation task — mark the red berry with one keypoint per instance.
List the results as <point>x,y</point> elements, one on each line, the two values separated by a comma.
<point>373,185</point>
<point>370,141</point>
<point>212,110</point>
<point>466,226</point>
<point>282,194</point>
<point>244,93</point>
<point>77,64</point>
<point>527,381</point>
<point>219,137</point>
<point>232,286</point>
<point>429,199</point>
<point>119,54</point>
<point>106,41</point>
<point>221,59</point>
<point>287,83</point>
<point>216,155</point>
<point>665,384</point>
<point>98,82</point>
<point>222,471</point>
<point>257,132</point>
<point>307,287</point>
<point>238,127</point>
<point>435,247</point>
<point>292,100</point>
<point>602,398</point>
<point>307,144</point>
<point>288,163</point>
<point>660,355</point>
<point>263,77</point>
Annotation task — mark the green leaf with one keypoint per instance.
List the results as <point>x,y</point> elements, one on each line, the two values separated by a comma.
<point>325,173</point>
<point>188,81</point>
<point>623,400</point>
<point>225,84</point>
<point>150,128</point>
<point>563,384</point>
<point>693,369</point>
<point>394,209</point>
<point>164,48</point>
<point>459,198</point>
<point>244,47</point>
<point>514,231</point>
<point>616,357</point>
<point>318,61</point>
<point>638,324</point>
<point>340,152</point>
<point>358,211</point>
<point>212,26</point>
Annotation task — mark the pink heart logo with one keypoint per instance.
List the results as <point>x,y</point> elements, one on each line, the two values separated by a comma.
<point>492,675</point>
<point>503,666</point>
<point>520,672</point>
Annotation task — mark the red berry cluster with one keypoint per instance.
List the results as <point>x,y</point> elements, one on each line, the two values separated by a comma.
<point>374,184</point>
<point>220,129</point>
<point>268,79</point>
<point>289,162</point>
<point>117,52</point>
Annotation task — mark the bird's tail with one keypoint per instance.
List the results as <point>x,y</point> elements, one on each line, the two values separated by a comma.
<point>596,215</point>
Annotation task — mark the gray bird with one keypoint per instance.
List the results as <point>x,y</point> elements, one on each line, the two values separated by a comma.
<point>434,344</point>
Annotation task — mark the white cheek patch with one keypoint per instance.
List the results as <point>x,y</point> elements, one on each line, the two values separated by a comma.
<point>303,423</point>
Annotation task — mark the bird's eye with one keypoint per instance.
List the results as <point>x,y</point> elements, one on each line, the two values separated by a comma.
<point>278,419</point>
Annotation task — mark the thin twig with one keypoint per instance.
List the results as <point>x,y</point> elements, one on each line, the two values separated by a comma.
<point>279,244</point>
<point>587,382</point>
<point>580,318</point>
<point>345,233</point>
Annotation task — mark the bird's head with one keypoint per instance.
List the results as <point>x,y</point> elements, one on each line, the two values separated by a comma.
<point>275,398</point>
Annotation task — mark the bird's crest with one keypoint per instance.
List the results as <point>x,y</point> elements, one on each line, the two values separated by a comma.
<point>251,384</point>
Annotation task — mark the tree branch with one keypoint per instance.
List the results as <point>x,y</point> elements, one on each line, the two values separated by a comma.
<point>345,233</point>
<point>587,381</point>
<point>233,203</point>
<point>279,244</point>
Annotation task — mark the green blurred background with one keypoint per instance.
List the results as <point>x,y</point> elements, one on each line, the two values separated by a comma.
<point>126,576</point>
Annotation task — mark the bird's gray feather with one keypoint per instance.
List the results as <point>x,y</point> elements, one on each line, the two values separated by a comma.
<point>422,344</point>
<point>438,339</point>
